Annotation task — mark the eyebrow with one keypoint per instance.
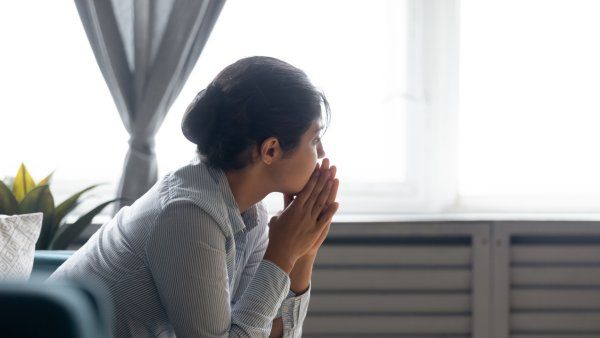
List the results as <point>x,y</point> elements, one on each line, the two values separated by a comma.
<point>319,129</point>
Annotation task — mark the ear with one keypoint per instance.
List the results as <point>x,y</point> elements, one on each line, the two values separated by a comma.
<point>270,150</point>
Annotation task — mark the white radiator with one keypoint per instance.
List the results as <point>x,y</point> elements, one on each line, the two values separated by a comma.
<point>401,280</point>
<point>457,279</point>
<point>547,280</point>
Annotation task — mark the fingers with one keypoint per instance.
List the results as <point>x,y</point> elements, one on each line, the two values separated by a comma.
<point>287,199</point>
<point>324,223</point>
<point>327,214</point>
<point>323,234</point>
<point>321,201</point>
<point>318,188</point>
<point>325,164</point>
<point>334,187</point>
<point>333,170</point>
<point>333,192</point>
<point>321,237</point>
<point>311,194</point>
<point>308,188</point>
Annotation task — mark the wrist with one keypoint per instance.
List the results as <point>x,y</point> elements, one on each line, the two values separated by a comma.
<point>301,274</point>
<point>308,257</point>
<point>303,264</point>
<point>286,264</point>
<point>300,290</point>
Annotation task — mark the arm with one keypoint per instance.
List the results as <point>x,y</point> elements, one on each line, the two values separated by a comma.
<point>297,298</point>
<point>302,271</point>
<point>301,274</point>
<point>296,302</point>
<point>286,325</point>
<point>186,255</point>
<point>300,286</point>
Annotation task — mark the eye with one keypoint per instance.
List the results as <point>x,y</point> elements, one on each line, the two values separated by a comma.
<point>317,140</point>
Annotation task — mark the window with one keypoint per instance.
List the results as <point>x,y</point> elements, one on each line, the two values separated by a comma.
<point>529,113</point>
<point>487,106</point>
<point>357,54</point>
<point>56,112</point>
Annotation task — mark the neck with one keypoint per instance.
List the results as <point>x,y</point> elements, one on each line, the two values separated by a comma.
<point>248,187</point>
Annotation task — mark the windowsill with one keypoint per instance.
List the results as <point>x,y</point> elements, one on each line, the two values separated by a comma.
<point>436,217</point>
<point>408,218</point>
<point>447,217</point>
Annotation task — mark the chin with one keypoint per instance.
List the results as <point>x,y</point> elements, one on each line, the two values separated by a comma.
<point>292,190</point>
<point>296,187</point>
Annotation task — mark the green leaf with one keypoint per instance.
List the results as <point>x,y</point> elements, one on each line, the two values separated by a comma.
<point>23,183</point>
<point>69,232</point>
<point>36,200</point>
<point>8,202</point>
<point>39,199</point>
<point>67,206</point>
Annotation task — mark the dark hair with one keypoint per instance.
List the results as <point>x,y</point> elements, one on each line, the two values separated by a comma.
<point>249,101</point>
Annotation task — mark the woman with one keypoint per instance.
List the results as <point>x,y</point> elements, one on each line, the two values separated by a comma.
<point>193,257</point>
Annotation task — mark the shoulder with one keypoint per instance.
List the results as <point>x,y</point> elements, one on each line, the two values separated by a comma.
<point>184,214</point>
<point>188,216</point>
<point>192,193</point>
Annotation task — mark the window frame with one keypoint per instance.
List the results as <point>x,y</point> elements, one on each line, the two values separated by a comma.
<point>432,113</point>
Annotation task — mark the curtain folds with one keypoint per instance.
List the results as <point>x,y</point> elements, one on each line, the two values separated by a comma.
<point>146,50</point>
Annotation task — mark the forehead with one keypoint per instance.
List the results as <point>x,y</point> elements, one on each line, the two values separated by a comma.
<point>314,130</point>
<point>316,127</point>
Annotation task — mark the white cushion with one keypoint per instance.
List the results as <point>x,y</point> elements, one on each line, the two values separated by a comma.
<point>18,235</point>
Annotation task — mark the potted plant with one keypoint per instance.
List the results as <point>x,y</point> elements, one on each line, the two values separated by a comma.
<point>23,196</point>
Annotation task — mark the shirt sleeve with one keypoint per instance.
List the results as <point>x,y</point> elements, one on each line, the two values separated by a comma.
<point>187,258</point>
<point>294,308</point>
<point>293,312</point>
<point>290,294</point>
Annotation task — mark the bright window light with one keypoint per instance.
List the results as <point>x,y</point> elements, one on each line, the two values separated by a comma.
<point>355,53</point>
<point>529,109</point>
<point>57,112</point>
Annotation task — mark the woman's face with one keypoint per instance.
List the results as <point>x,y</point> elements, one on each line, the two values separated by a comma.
<point>296,169</point>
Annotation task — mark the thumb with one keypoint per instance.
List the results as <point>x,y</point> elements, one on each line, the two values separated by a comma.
<point>273,220</point>
<point>287,199</point>
<point>327,214</point>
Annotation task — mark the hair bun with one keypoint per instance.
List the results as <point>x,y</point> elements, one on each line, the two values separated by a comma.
<point>201,115</point>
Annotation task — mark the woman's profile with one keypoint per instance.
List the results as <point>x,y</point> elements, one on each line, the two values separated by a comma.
<point>197,255</point>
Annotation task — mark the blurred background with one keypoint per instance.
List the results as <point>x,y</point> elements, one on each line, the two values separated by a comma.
<point>464,132</point>
<point>438,107</point>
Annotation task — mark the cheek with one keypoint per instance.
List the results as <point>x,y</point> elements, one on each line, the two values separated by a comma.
<point>303,168</point>
<point>308,165</point>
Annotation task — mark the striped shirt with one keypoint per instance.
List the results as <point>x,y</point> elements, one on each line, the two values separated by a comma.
<point>183,261</point>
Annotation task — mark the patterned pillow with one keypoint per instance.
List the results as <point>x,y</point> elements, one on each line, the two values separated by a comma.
<point>18,235</point>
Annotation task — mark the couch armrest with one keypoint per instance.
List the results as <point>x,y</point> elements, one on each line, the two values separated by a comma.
<point>46,261</point>
<point>55,309</point>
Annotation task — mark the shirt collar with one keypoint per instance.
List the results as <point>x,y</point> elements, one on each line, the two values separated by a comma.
<point>239,221</point>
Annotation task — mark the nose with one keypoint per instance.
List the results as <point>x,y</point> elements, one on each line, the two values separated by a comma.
<point>320,150</point>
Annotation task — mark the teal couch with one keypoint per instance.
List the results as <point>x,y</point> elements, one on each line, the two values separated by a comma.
<point>65,309</point>
<point>46,261</point>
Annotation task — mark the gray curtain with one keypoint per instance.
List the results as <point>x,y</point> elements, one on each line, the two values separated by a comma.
<point>146,50</point>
